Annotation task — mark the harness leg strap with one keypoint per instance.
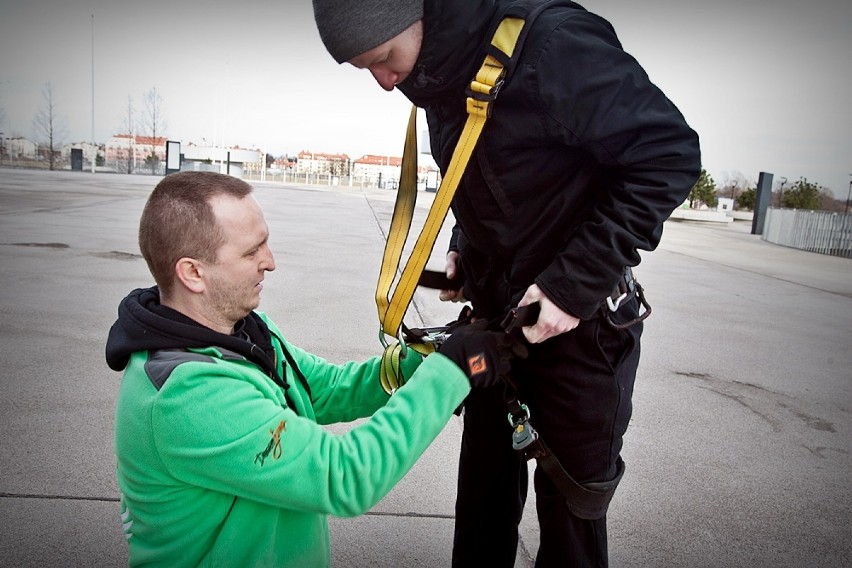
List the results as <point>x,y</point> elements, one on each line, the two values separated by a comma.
<point>584,500</point>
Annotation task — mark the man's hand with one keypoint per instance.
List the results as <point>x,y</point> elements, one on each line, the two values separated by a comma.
<point>552,321</point>
<point>451,269</point>
<point>485,356</point>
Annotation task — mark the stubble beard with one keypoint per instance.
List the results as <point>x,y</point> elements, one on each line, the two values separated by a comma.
<point>230,302</point>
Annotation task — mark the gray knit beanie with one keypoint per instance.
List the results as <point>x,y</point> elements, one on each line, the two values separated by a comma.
<point>348,28</point>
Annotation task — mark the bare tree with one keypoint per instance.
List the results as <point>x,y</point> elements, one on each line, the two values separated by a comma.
<point>129,126</point>
<point>49,128</point>
<point>154,125</point>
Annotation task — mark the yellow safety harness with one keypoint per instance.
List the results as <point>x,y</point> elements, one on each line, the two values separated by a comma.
<point>586,500</point>
<point>481,94</point>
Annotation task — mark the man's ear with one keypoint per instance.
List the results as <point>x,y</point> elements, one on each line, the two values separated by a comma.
<point>190,273</point>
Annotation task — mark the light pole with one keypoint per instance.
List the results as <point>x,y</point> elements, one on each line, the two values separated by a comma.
<point>781,194</point>
<point>848,194</point>
<point>94,144</point>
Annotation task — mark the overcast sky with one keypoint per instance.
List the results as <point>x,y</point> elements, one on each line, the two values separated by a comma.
<point>766,83</point>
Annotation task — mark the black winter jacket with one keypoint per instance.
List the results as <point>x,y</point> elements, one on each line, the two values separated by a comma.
<point>579,165</point>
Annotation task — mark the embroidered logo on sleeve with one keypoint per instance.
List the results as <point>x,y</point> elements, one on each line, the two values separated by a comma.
<point>477,364</point>
<point>274,445</point>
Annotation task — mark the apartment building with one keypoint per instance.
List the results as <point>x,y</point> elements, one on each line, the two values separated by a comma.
<point>122,149</point>
<point>385,171</point>
<point>317,163</point>
<point>19,148</point>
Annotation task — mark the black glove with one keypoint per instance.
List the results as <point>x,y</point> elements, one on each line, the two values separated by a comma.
<point>484,355</point>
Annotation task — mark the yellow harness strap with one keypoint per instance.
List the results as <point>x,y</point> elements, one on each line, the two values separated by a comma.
<point>392,309</point>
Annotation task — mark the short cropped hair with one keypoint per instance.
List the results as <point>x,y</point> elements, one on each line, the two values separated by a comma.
<point>178,221</point>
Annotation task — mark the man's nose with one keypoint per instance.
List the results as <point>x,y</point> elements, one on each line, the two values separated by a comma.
<point>269,261</point>
<point>385,79</point>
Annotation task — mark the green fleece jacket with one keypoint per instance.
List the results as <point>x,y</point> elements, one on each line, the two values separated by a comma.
<point>215,469</point>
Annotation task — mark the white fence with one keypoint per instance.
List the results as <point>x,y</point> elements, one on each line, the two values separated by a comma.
<point>304,178</point>
<point>816,231</point>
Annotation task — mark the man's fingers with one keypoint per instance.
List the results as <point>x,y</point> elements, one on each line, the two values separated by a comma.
<point>535,333</point>
<point>544,330</point>
<point>450,267</point>
<point>451,296</point>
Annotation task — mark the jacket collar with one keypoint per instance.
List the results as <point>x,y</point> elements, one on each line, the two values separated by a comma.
<point>452,49</point>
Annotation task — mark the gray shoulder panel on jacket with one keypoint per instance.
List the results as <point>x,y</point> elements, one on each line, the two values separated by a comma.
<point>161,363</point>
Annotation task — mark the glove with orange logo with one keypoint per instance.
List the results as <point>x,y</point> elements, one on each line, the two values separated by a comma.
<point>485,356</point>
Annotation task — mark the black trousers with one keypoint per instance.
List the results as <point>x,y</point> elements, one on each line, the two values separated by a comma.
<point>578,387</point>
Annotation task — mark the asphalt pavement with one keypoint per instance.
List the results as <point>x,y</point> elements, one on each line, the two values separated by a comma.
<point>738,453</point>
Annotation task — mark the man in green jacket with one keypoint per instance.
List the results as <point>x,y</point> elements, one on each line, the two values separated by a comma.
<point>221,457</point>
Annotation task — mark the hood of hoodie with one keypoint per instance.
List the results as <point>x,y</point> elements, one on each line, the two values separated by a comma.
<point>144,324</point>
<point>452,50</point>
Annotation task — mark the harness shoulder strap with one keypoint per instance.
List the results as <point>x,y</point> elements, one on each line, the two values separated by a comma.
<point>482,92</point>
<point>508,34</point>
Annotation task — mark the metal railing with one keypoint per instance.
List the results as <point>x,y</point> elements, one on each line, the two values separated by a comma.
<point>815,231</point>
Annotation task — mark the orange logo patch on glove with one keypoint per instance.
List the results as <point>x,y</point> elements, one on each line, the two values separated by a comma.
<point>477,364</point>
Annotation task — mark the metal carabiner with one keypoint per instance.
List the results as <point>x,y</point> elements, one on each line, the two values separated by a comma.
<point>513,422</point>
<point>403,346</point>
<point>523,433</point>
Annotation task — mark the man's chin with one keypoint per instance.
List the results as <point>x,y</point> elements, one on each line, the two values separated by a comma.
<point>249,308</point>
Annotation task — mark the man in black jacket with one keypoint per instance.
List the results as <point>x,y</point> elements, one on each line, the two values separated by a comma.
<point>579,165</point>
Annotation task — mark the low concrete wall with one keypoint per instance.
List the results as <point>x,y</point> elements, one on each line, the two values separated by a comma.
<point>704,216</point>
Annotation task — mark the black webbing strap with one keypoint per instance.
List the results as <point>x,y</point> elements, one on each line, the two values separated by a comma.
<point>586,500</point>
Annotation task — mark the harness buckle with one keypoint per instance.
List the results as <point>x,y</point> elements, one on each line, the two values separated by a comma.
<point>523,435</point>
<point>435,336</point>
<point>483,92</point>
<point>495,90</point>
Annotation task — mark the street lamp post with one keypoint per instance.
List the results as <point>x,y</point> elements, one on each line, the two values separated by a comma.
<point>94,144</point>
<point>848,195</point>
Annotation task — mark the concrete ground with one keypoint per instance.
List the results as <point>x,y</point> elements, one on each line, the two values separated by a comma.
<point>738,454</point>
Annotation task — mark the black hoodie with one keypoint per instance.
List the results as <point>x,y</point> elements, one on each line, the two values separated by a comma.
<point>144,324</point>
